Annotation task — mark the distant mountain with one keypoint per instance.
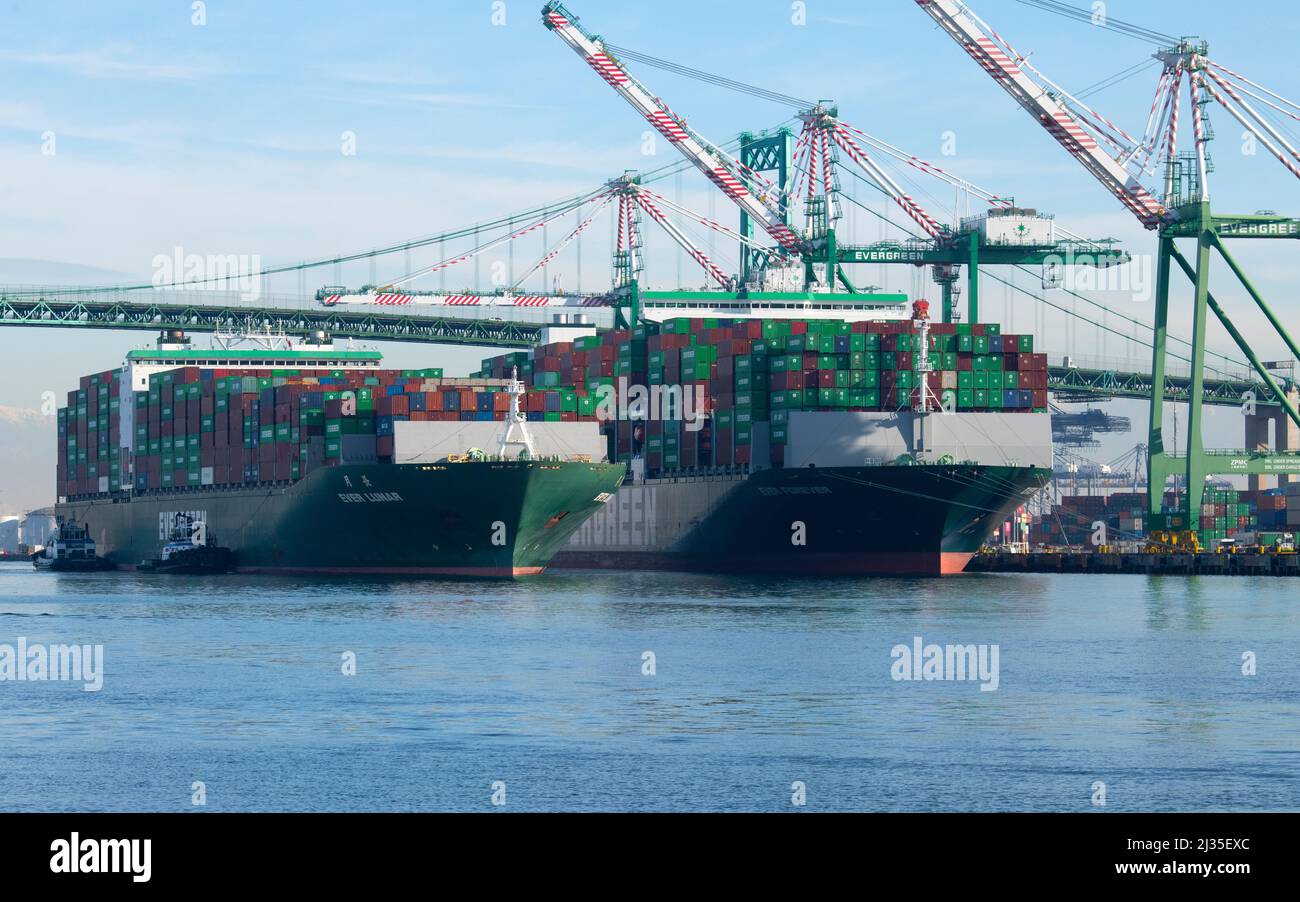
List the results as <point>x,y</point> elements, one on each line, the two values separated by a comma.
<point>27,450</point>
<point>22,271</point>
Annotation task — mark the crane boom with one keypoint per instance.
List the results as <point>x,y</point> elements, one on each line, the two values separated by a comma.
<point>718,169</point>
<point>1056,117</point>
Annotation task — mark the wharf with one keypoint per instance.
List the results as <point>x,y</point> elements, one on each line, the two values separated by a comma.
<point>1179,563</point>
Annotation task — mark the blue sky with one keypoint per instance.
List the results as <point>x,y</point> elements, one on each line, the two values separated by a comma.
<point>226,138</point>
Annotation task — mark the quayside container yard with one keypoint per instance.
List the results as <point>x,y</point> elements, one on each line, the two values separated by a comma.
<point>316,460</point>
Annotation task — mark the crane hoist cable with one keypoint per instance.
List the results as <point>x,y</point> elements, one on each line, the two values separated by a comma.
<point>1102,20</point>
<point>1116,79</point>
<point>709,78</point>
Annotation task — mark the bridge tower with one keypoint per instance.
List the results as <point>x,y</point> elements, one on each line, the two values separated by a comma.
<point>1286,435</point>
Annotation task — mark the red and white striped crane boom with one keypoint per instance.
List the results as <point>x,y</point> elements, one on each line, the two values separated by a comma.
<point>764,206</point>
<point>1075,134</point>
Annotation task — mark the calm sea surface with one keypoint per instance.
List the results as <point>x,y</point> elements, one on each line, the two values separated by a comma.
<point>758,684</point>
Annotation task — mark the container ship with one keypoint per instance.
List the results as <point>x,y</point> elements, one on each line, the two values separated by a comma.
<point>809,445</point>
<point>315,460</point>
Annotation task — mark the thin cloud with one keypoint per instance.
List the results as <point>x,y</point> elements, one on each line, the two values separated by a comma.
<point>435,100</point>
<point>836,20</point>
<point>382,74</point>
<point>110,62</point>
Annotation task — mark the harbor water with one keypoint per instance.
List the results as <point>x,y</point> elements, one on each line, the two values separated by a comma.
<point>583,691</point>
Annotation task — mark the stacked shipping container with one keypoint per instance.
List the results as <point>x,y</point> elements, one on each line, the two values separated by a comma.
<point>89,436</point>
<point>1225,513</point>
<point>749,372</point>
<point>198,426</point>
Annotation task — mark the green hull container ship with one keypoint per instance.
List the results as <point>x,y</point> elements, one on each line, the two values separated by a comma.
<point>311,460</point>
<point>470,518</point>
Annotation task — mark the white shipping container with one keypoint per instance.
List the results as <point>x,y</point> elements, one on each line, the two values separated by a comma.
<point>205,476</point>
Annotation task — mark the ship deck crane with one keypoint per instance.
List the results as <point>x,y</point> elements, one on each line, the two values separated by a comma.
<point>1183,211</point>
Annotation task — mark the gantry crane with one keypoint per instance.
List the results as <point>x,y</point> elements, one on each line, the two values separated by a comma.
<point>815,257</point>
<point>1120,162</point>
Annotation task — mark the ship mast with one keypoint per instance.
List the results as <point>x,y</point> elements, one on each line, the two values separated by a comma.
<point>921,404</point>
<point>516,420</point>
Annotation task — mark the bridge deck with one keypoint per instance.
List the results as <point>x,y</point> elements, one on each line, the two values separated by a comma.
<point>91,312</point>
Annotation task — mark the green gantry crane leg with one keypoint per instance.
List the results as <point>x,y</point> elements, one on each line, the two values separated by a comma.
<point>973,280</point>
<point>1159,465</point>
<point>1196,463</point>
<point>1197,466</point>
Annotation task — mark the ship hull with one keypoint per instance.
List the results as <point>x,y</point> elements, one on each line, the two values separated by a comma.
<point>834,521</point>
<point>498,519</point>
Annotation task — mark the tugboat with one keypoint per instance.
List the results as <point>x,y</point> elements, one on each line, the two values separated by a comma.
<point>191,550</point>
<point>70,549</point>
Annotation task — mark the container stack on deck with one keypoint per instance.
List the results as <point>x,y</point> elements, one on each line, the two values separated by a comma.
<point>233,426</point>
<point>752,372</point>
<point>89,436</point>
